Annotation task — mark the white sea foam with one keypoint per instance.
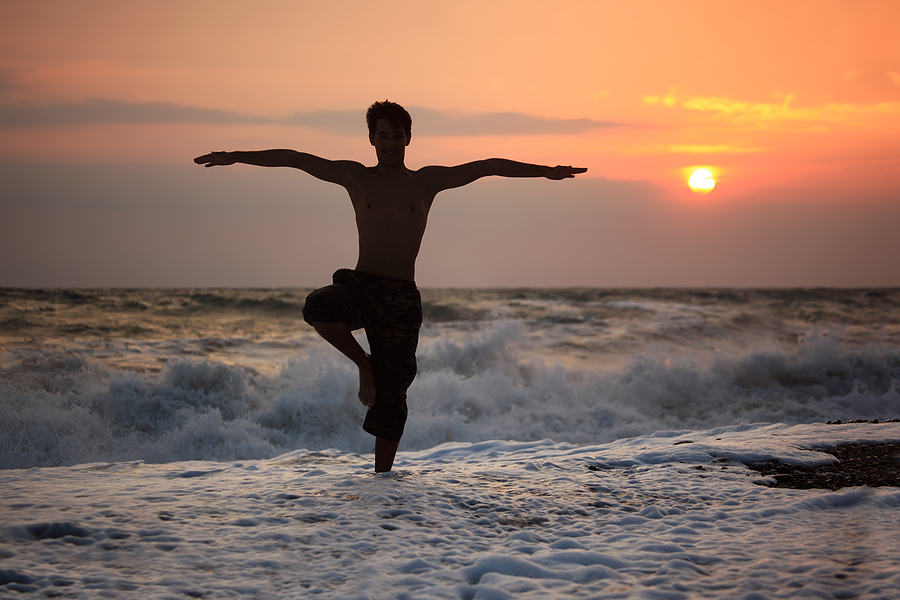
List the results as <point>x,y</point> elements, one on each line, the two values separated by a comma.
<point>63,409</point>
<point>635,518</point>
<point>211,448</point>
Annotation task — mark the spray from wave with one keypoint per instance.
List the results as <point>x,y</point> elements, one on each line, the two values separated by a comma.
<point>61,409</point>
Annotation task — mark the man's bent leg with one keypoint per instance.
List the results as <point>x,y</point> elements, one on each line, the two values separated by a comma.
<point>340,336</point>
<point>385,450</point>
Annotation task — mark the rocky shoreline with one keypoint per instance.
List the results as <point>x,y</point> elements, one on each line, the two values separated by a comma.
<point>874,465</point>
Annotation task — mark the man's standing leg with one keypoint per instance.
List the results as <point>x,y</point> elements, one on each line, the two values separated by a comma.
<point>392,328</point>
<point>340,336</point>
<point>394,318</point>
<point>385,451</point>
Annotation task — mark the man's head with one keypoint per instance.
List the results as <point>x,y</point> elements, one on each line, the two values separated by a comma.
<point>393,112</point>
<point>389,131</point>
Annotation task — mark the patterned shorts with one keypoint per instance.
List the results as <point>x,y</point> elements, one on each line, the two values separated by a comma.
<point>390,311</point>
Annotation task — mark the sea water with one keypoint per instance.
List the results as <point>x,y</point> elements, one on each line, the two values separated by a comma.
<point>164,375</point>
<point>562,443</point>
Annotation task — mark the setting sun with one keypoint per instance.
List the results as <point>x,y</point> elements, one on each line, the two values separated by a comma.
<point>701,181</point>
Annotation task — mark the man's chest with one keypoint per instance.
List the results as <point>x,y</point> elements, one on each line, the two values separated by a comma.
<point>401,215</point>
<point>397,202</point>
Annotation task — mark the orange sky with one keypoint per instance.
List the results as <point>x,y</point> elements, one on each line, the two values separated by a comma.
<point>790,103</point>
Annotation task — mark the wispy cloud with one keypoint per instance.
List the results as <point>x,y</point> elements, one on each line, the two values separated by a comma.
<point>425,121</point>
<point>774,115</point>
<point>6,80</point>
<point>698,149</point>
<point>433,122</point>
<point>109,111</point>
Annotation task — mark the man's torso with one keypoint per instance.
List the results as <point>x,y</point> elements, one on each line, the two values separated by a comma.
<point>391,215</point>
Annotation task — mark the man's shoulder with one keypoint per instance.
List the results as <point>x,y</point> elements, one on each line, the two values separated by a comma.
<point>421,173</point>
<point>429,173</point>
<point>352,170</point>
<point>352,165</point>
<point>429,170</point>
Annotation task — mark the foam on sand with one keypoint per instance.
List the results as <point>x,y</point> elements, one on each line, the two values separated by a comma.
<point>635,518</point>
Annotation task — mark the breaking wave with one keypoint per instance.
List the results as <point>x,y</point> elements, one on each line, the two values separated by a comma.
<point>61,409</point>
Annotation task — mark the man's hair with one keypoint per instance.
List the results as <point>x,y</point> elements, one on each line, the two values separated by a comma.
<point>393,112</point>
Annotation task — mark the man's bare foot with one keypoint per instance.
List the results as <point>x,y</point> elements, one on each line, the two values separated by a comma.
<point>340,336</point>
<point>366,383</point>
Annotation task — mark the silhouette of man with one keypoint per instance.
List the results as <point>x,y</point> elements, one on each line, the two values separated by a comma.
<point>391,203</point>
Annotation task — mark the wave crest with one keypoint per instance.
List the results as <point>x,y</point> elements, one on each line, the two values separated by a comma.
<point>58,408</point>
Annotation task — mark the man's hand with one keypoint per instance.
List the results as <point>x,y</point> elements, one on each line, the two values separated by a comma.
<point>215,159</point>
<point>561,172</point>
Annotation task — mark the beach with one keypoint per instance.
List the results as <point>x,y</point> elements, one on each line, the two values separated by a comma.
<point>580,443</point>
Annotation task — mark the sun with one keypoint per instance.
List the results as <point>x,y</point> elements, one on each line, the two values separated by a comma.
<point>701,181</point>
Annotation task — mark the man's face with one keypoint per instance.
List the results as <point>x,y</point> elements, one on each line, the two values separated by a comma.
<point>390,142</point>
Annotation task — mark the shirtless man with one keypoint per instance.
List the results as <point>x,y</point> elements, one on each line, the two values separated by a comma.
<point>391,204</point>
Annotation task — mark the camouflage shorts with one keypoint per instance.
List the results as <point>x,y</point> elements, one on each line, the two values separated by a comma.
<point>390,311</point>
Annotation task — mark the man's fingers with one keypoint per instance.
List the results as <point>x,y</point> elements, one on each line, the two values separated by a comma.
<point>565,172</point>
<point>211,160</point>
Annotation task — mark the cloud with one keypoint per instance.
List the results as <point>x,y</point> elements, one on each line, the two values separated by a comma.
<point>433,122</point>
<point>6,80</point>
<point>699,149</point>
<point>670,99</point>
<point>426,121</point>
<point>775,115</point>
<point>109,111</point>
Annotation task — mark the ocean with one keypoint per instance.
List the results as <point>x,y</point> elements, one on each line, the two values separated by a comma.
<point>562,443</point>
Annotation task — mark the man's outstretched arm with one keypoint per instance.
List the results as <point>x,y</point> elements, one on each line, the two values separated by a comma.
<point>334,171</point>
<point>452,177</point>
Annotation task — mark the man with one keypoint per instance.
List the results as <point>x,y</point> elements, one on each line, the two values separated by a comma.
<point>391,204</point>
